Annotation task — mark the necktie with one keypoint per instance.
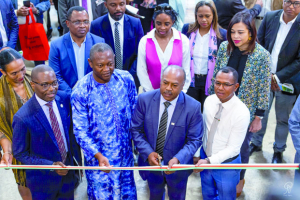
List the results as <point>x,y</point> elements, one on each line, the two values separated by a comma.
<point>1,41</point>
<point>84,4</point>
<point>118,47</point>
<point>57,132</point>
<point>212,131</point>
<point>161,136</point>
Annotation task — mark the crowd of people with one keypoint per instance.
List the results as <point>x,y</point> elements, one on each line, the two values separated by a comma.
<point>205,93</point>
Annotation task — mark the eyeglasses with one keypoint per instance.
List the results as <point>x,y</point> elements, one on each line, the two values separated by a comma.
<point>167,9</point>
<point>46,86</point>
<point>225,85</point>
<point>296,4</point>
<point>77,23</point>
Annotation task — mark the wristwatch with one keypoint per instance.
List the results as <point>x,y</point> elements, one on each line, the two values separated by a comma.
<point>37,11</point>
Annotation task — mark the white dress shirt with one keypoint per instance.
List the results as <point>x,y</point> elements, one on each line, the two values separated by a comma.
<point>3,32</point>
<point>231,129</point>
<point>200,53</point>
<point>164,58</point>
<point>89,7</point>
<point>79,57</point>
<point>56,112</point>
<point>281,36</point>
<point>120,28</point>
<point>170,111</point>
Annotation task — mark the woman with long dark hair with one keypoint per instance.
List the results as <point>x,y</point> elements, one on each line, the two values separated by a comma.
<point>252,62</point>
<point>205,37</point>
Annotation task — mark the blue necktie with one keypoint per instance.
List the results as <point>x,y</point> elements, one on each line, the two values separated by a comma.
<point>118,47</point>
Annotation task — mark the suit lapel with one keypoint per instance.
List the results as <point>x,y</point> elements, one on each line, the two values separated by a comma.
<point>41,117</point>
<point>127,28</point>
<point>155,112</point>
<point>64,116</point>
<point>275,27</point>
<point>3,13</point>
<point>69,47</point>
<point>107,32</point>
<point>88,46</point>
<point>176,115</point>
<point>294,29</point>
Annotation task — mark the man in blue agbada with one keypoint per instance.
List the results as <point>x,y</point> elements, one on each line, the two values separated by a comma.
<point>102,104</point>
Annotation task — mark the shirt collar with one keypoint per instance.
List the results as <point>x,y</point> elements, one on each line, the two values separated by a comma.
<point>151,34</point>
<point>75,42</point>
<point>228,104</point>
<point>173,103</point>
<point>290,22</point>
<point>41,101</point>
<point>112,21</point>
<point>206,35</point>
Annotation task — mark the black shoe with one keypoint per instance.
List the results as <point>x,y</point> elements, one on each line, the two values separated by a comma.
<point>277,157</point>
<point>253,148</point>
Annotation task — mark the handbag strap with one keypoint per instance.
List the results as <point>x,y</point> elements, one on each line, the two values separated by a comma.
<point>32,17</point>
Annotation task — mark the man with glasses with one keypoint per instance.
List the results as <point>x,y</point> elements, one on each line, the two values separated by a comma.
<point>279,34</point>
<point>41,136</point>
<point>226,119</point>
<point>69,54</point>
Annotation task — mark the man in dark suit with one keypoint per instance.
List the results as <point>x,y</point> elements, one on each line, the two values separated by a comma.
<point>279,34</point>
<point>9,27</point>
<point>167,124</point>
<point>42,136</point>
<point>123,33</point>
<point>95,8</point>
<point>69,54</point>
<point>228,8</point>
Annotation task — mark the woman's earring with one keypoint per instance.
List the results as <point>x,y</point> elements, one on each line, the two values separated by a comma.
<point>250,38</point>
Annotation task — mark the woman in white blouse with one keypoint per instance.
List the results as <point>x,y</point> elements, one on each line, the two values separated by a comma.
<point>205,37</point>
<point>161,47</point>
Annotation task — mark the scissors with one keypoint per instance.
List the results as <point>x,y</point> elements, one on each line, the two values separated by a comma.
<point>159,161</point>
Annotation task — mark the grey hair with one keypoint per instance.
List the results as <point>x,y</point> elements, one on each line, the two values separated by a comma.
<point>100,47</point>
<point>175,67</point>
<point>39,69</point>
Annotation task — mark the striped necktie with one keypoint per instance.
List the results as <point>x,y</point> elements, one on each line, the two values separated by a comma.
<point>57,132</point>
<point>161,136</point>
<point>118,47</point>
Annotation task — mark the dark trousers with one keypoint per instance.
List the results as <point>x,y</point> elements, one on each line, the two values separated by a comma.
<point>198,92</point>
<point>64,190</point>
<point>176,187</point>
<point>146,22</point>
<point>245,153</point>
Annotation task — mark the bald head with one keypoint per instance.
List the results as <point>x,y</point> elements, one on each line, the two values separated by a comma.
<point>176,71</point>
<point>172,82</point>
<point>40,69</point>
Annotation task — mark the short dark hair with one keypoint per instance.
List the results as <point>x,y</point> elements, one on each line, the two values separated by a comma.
<point>100,47</point>
<point>76,8</point>
<point>173,14</point>
<point>39,69</point>
<point>228,70</point>
<point>7,56</point>
<point>246,18</point>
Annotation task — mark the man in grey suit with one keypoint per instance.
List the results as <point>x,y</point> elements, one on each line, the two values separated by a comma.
<point>95,9</point>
